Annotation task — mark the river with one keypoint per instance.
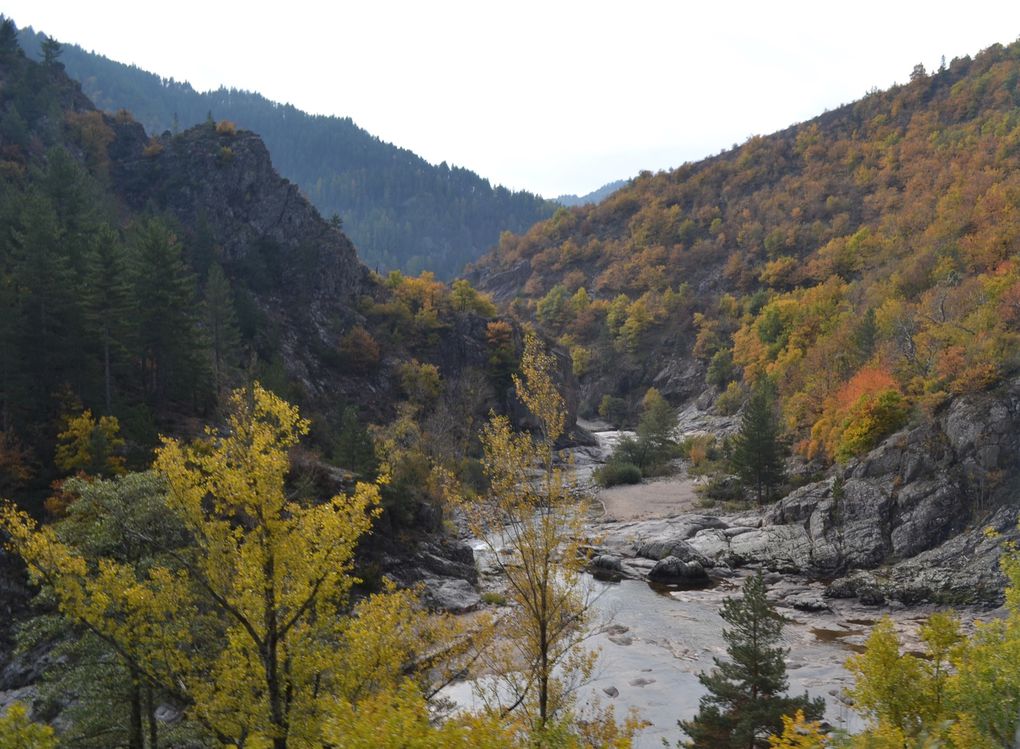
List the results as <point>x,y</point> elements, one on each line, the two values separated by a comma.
<point>656,641</point>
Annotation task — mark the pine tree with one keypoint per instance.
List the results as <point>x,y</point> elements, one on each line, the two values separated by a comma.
<point>8,38</point>
<point>51,50</point>
<point>757,451</point>
<point>47,313</point>
<point>164,294</point>
<point>354,448</point>
<point>220,323</point>
<point>107,304</point>
<point>746,694</point>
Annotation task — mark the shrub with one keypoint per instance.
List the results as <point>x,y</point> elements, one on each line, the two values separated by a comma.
<point>870,419</point>
<point>720,369</point>
<point>226,127</point>
<point>615,473</point>
<point>613,409</point>
<point>359,350</point>
<point>153,148</point>
<point>730,400</point>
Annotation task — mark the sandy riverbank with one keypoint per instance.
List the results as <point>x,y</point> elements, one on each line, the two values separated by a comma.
<point>660,498</point>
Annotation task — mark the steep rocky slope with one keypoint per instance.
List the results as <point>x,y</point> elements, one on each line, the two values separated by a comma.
<point>908,521</point>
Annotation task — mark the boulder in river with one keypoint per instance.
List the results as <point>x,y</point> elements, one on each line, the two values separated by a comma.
<point>673,570</point>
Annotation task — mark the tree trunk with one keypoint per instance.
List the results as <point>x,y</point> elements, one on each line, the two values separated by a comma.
<point>106,368</point>
<point>135,736</point>
<point>272,665</point>
<point>150,715</point>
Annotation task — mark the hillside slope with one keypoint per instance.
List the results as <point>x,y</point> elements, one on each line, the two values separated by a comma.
<point>868,261</point>
<point>400,211</point>
<point>142,278</point>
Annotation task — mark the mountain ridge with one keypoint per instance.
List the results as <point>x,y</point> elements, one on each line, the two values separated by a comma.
<point>401,211</point>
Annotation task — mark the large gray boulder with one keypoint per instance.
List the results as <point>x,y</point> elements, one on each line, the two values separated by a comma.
<point>673,571</point>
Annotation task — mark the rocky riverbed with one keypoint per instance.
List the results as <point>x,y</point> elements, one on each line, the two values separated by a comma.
<point>900,532</point>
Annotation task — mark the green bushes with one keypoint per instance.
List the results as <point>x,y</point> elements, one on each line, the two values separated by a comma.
<point>618,472</point>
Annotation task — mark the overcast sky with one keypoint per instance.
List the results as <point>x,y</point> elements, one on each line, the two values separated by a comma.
<point>554,96</point>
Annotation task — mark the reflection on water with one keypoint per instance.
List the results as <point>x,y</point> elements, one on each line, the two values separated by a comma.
<point>668,589</point>
<point>839,637</point>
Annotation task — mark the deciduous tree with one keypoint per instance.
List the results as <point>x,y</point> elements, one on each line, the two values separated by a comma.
<point>251,625</point>
<point>532,524</point>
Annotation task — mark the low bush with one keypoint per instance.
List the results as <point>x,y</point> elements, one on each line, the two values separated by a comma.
<point>615,473</point>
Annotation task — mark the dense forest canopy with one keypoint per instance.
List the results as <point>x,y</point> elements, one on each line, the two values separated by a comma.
<point>866,261</point>
<point>401,212</point>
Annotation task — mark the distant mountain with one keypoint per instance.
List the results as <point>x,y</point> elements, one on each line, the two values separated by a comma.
<point>595,196</point>
<point>400,211</point>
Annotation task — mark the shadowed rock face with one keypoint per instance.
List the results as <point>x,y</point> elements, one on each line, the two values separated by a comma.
<point>227,182</point>
<point>912,513</point>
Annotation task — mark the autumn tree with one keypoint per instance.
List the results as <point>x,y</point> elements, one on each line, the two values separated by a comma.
<point>90,445</point>
<point>17,731</point>
<point>746,697</point>
<point>532,510</point>
<point>613,410</point>
<point>799,733</point>
<point>251,625</point>
<point>108,701</point>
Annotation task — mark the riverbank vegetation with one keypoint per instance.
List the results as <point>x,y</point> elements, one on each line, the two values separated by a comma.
<point>213,587</point>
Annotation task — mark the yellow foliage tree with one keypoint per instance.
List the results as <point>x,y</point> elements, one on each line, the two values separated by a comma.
<point>251,626</point>
<point>799,733</point>
<point>88,444</point>
<point>532,524</point>
<point>17,731</point>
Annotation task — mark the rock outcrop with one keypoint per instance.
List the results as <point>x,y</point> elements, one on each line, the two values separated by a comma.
<point>912,513</point>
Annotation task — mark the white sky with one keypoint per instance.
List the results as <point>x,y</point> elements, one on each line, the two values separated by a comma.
<point>556,96</point>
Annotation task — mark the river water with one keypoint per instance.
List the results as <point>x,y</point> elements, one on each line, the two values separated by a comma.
<point>655,641</point>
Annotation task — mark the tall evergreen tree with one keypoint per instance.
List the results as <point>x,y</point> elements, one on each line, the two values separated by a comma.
<point>746,694</point>
<point>107,304</point>
<point>51,50</point>
<point>220,326</point>
<point>8,39</point>
<point>354,447</point>
<point>164,295</point>
<point>46,305</point>
<point>757,451</point>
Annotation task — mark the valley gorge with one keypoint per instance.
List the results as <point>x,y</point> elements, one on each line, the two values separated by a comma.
<point>860,272</point>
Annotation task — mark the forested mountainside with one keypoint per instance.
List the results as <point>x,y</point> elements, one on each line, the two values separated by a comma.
<point>400,211</point>
<point>595,196</point>
<point>867,261</point>
<point>143,278</point>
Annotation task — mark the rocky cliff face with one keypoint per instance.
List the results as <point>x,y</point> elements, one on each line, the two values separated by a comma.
<point>907,522</point>
<point>307,275</point>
